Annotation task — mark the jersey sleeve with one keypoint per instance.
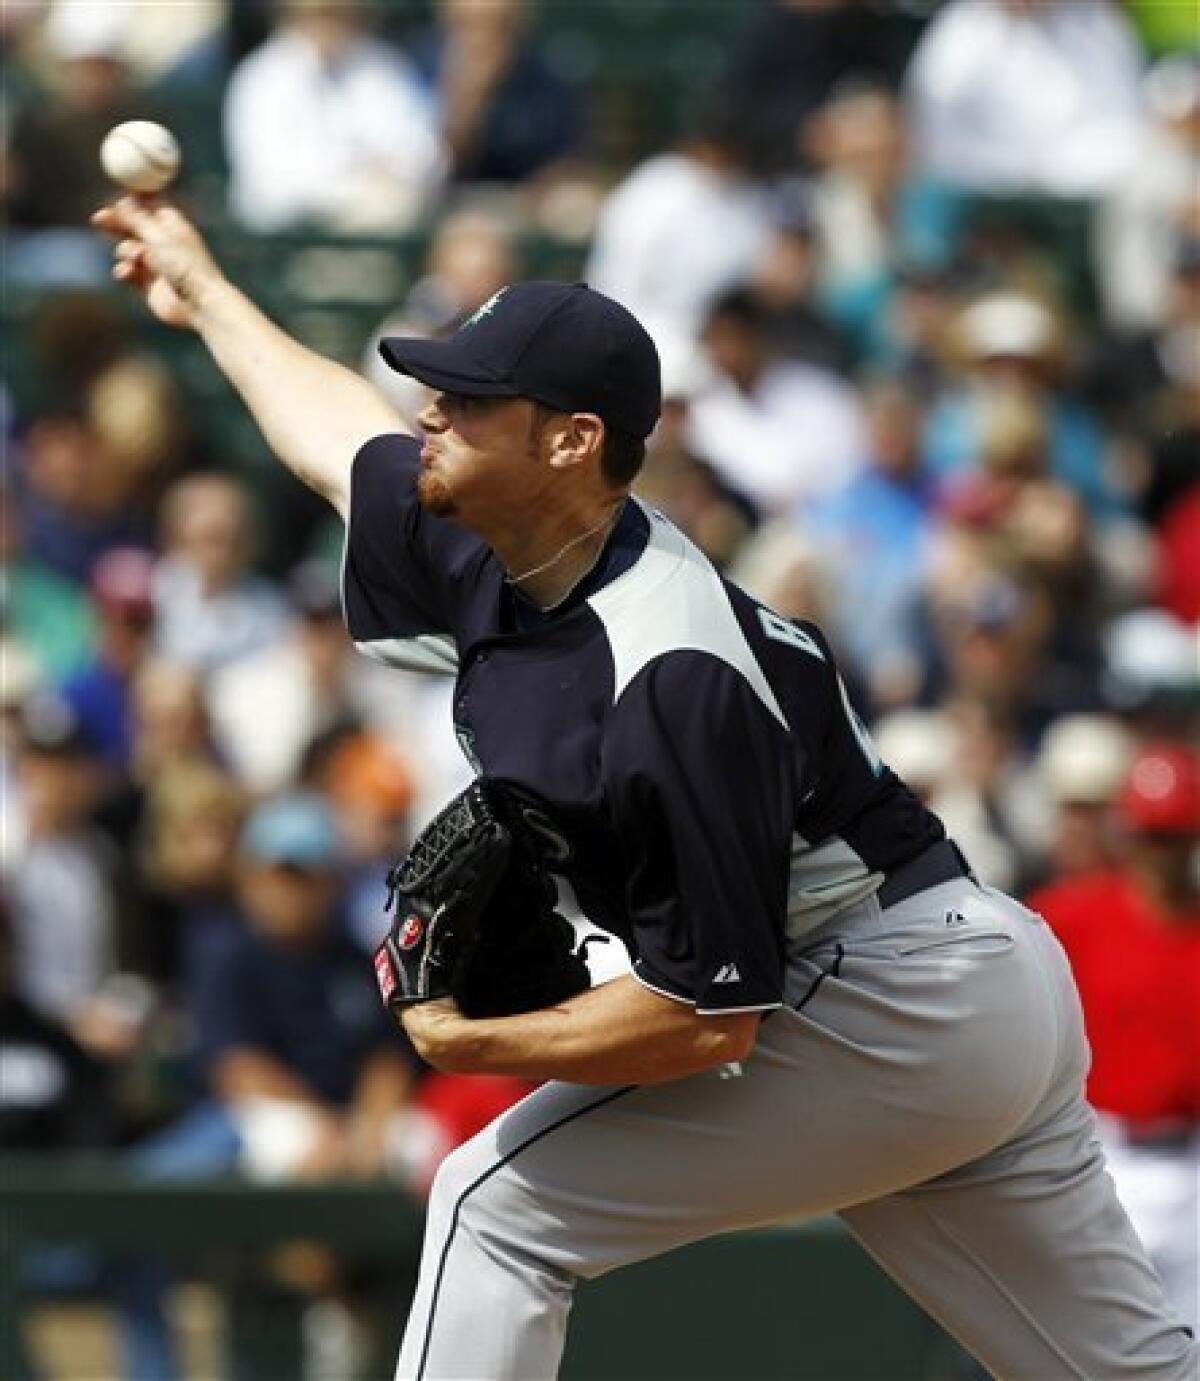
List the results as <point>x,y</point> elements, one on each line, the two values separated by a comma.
<point>700,777</point>
<point>406,573</point>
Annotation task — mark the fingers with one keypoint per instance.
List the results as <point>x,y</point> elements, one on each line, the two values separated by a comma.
<point>131,264</point>
<point>122,218</point>
<point>133,274</point>
<point>108,219</point>
<point>129,256</point>
<point>140,216</point>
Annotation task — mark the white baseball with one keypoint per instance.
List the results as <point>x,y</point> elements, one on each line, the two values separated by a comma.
<point>140,155</point>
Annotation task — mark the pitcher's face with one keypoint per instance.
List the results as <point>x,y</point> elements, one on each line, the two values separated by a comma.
<point>480,456</point>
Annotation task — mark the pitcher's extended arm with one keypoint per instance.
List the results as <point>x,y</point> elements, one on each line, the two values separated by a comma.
<point>314,413</point>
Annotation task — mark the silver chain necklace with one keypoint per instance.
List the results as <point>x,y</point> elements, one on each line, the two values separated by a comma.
<point>609,519</point>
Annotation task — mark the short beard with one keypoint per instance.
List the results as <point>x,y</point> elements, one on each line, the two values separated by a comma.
<point>434,495</point>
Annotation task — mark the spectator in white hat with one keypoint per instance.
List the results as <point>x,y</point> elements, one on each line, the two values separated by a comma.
<point>56,139</point>
<point>1010,340</point>
<point>1081,764</point>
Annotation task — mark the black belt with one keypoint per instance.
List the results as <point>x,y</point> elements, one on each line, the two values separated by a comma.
<point>941,862</point>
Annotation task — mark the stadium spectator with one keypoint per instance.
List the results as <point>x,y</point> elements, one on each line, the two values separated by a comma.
<point>21,680</point>
<point>1177,581</point>
<point>1022,518</point>
<point>48,614</point>
<point>507,114</point>
<point>1027,96</point>
<point>371,787</point>
<point>289,1024</point>
<point>1082,763</point>
<point>1148,385</point>
<point>793,54</point>
<point>170,718</point>
<point>920,746</point>
<point>872,206</point>
<point>327,127</point>
<point>1027,516</point>
<point>302,1072</point>
<point>673,478</point>
<point>54,180</point>
<point>786,281</point>
<point>53,1098</point>
<point>647,253</point>
<point>92,461</point>
<point>210,609</point>
<point>73,336</point>
<point>911,331</point>
<point>1160,196</point>
<point>73,499</point>
<point>875,533</point>
<point>314,680</point>
<point>777,431</point>
<point>53,1094</point>
<point>992,804</point>
<point>64,916</point>
<point>1151,672</point>
<point>134,407</point>
<point>185,846</point>
<point>990,623</point>
<point>203,60</point>
<point>1132,933</point>
<point>170,730</point>
<point>784,569</point>
<point>1010,340</point>
<point>100,692</point>
<point>473,254</point>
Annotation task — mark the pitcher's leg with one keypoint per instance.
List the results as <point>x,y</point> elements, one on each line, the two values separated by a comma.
<point>910,1056</point>
<point>1028,1259</point>
<point>1160,1188</point>
<point>488,1303</point>
<point>575,1181</point>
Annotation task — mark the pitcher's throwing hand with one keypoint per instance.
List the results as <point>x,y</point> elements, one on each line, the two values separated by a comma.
<point>160,254</point>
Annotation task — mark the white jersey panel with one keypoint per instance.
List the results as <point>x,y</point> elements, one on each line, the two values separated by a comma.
<point>429,652</point>
<point>674,601</point>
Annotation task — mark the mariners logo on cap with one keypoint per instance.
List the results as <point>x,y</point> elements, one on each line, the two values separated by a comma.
<point>487,309</point>
<point>410,932</point>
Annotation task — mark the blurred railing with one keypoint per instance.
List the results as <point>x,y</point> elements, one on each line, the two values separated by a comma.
<point>798,1302</point>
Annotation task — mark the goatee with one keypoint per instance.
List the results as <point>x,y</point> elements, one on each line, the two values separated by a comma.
<point>434,494</point>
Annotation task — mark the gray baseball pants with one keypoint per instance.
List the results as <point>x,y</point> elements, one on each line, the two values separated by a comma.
<point>924,1083</point>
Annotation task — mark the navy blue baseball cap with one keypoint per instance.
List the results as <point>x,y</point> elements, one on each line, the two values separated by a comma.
<point>561,344</point>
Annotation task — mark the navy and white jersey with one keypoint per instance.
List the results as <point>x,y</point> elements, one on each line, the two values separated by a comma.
<point>696,749</point>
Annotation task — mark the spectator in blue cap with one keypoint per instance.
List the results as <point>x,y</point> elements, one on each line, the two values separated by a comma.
<point>289,1015</point>
<point>301,1070</point>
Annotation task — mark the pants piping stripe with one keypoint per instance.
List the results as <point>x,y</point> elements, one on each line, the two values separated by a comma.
<point>474,1185</point>
<point>834,971</point>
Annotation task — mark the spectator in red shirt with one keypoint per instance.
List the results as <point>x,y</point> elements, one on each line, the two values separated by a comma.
<point>1133,937</point>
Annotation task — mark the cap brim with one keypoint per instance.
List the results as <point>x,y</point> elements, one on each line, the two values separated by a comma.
<point>442,364</point>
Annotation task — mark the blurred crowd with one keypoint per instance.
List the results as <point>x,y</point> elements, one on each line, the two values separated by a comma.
<point>925,280</point>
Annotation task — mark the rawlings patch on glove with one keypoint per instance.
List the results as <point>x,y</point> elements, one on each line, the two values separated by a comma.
<point>475,912</point>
